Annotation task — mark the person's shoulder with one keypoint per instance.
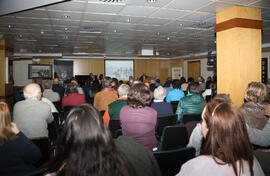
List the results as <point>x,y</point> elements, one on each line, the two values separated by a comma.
<point>201,161</point>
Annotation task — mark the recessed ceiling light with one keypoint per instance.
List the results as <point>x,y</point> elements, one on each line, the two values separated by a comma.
<point>66,16</point>
<point>128,20</point>
<point>9,26</point>
<point>151,1</point>
<point>114,30</point>
<point>42,32</point>
<point>66,29</point>
<point>168,38</point>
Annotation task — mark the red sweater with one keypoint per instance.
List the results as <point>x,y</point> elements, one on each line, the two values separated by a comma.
<point>73,99</point>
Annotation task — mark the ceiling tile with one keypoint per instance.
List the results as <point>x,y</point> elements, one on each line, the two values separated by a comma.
<point>156,21</point>
<point>262,4</point>
<point>187,5</point>
<point>239,2</point>
<point>32,13</point>
<point>215,7</point>
<point>62,14</point>
<point>103,8</point>
<point>61,22</point>
<point>198,16</point>
<point>139,11</point>
<point>159,3</point>
<point>169,13</point>
<point>68,6</point>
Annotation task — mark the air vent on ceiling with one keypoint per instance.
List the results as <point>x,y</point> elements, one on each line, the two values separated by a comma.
<point>112,1</point>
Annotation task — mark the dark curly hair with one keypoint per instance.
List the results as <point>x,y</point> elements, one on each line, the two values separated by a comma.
<point>139,96</point>
<point>71,88</point>
<point>86,147</point>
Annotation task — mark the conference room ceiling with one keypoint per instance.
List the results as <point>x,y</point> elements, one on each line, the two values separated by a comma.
<point>91,28</point>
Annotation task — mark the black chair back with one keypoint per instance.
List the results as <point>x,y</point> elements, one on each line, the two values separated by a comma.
<point>173,137</point>
<point>57,105</point>
<point>114,125</point>
<point>53,131</point>
<point>191,117</point>
<point>44,146</point>
<point>174,106</point>
<point>66,111</point>
<point>171,161</point>
<point>190,126</point>
<point>163,122</point>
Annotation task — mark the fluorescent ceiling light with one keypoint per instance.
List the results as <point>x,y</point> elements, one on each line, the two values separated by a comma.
<point>90,32</point>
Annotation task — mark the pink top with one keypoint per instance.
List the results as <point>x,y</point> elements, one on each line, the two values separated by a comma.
<point>140,124</point>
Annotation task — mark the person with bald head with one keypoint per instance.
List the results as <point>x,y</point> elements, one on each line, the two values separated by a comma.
<point>32,115</point>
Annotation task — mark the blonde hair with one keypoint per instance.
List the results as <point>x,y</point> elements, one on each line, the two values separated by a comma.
<point>5,120</point>
<point>256,92</point>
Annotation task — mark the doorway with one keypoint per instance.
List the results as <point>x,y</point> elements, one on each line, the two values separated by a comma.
<point>194,69</point>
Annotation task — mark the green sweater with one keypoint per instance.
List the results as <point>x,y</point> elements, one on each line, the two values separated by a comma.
<point>115,107</point>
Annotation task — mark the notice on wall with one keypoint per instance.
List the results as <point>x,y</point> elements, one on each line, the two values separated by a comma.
<point>176,72</point>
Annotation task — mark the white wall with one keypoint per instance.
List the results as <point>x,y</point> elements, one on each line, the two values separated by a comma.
<point>20,69</point>
<point>204,72</point>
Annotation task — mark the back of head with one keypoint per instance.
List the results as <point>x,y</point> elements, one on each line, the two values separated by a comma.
<point>32,91</point>
<point>176,83</point>
<point>87,145</point>
<point>190,80</point>
<point>107,82</point>
<point>194,87</point>
<point>227,137</point>
<point>159,93</point>
<point>123,90</point>
<point>256,92</point>
<point>5,120</point>
<point>48,84</point>
<point>139,96</point>
<point>72,88</point>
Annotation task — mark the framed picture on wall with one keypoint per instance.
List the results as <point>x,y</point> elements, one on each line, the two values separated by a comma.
<point>43,71</point>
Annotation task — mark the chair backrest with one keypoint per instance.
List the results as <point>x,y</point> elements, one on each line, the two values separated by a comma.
<point>191,117</point>
<point>171,161</point>
<point>66,111</point>
<point>53,131</point>
<point>173,137</point>
<point>114,124</point>
<point>190,126</point>
<point>44,146</point>
<point>102,113</point>
<point>163,122</point>
<point>174,106</point>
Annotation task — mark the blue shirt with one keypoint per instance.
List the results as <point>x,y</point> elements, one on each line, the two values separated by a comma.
<point>174,95</point>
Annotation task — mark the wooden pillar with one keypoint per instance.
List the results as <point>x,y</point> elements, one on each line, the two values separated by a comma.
<point>6,89</point>
<point>238,50</point>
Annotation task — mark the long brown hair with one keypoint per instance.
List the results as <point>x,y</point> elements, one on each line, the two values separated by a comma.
<point>5,120</point>
<point>227,139</point>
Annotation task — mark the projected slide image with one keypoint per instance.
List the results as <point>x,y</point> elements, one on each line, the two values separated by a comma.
<point>120,69</point>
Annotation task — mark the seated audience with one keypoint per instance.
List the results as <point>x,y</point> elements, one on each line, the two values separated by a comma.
<point>202,83</point>
<point>113,109</point>
<point>56,87</point>
<point>115,83</point>
<point>184,84</point>
<point>138,120</point>
<point>227,149</point>
<point>168,82</point>
<point>162,108</point>
<point>193,103</point>
<point>106,96</point>
<point>17,95</point>
<point>87,148</point>
<point>257,137</point>
<point>49,93</point>
<point>53,108</point>
<point>176,94</point>
<point>80,90</point>
<point>72,97</point>
<point>32,115</point>
<point>18,154</point>
<point>256,97</point>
